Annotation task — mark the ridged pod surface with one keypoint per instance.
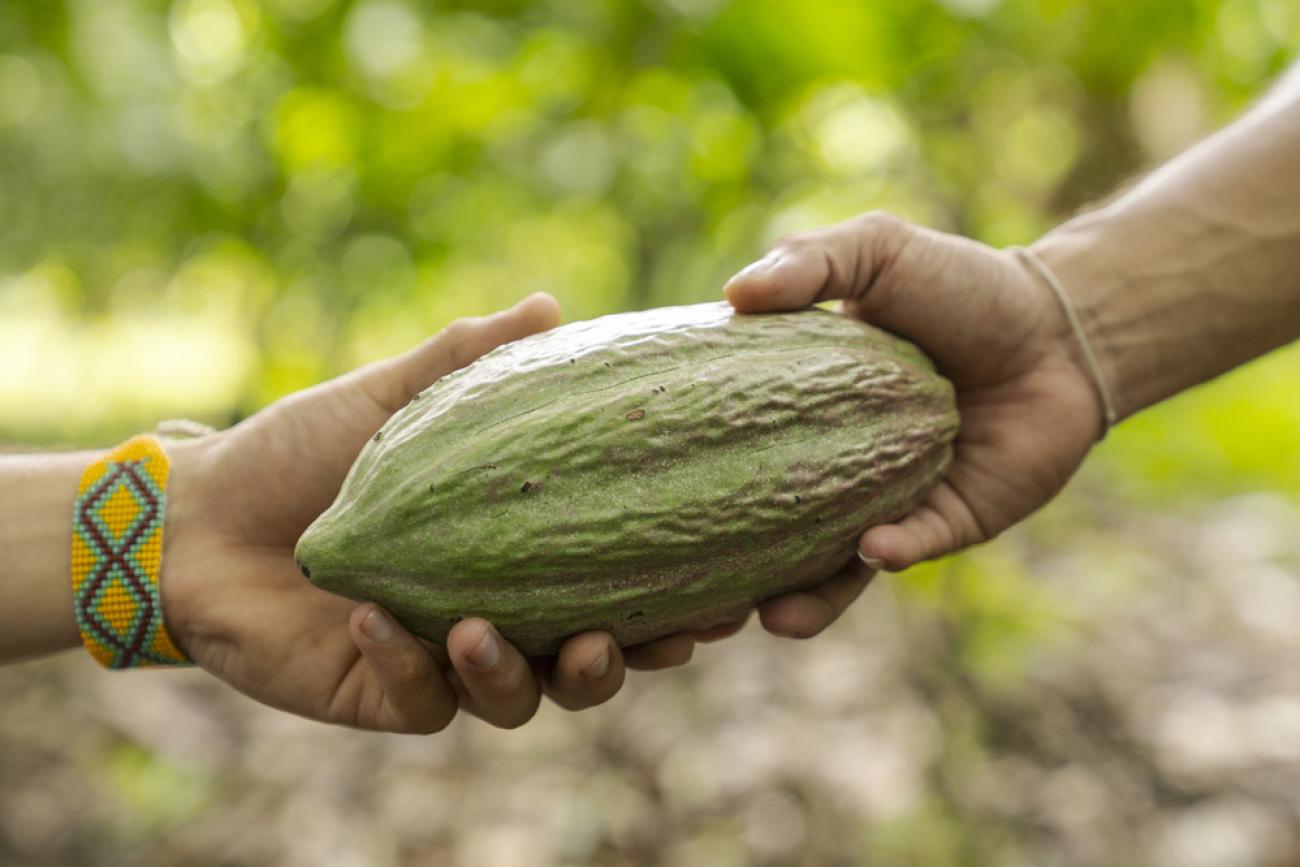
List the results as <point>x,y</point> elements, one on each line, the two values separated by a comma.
<point>642,473</point>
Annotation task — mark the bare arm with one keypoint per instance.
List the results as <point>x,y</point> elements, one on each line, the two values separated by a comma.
<point>36,494</point>
<point>1197,268</point>
<point>36,498</point>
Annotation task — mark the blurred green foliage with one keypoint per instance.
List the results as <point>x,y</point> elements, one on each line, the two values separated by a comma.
<point>208,204</point>
<point>156,792</point>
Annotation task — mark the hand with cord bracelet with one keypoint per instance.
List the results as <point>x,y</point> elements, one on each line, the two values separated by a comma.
<point>1190,273</point>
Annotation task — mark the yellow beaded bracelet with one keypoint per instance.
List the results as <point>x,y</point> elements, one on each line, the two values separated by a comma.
<point>117,535</point>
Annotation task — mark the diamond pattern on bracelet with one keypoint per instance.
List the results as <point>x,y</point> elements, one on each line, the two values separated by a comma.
<point>117,533</point>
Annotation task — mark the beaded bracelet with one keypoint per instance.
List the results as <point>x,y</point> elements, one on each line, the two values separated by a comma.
<point>117,535</point>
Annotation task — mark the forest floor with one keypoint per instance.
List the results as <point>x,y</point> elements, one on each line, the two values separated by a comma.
<point>1085,691</point>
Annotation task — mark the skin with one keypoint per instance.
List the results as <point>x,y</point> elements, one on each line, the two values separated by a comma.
<point>1185,276</point>
<point>235,601</point>
<point>1190,273</point>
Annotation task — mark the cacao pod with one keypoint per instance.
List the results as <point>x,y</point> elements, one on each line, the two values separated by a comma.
<point>641,473</point>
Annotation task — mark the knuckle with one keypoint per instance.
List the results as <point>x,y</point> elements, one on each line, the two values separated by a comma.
<point>880,220</point>
<point>454,338</point>
<point>409,667</point>
<point>459,329</point>
<point>880,217</point>
<point>793,241</point>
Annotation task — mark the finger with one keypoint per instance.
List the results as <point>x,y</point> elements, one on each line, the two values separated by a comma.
<point>805,613</point>
<point>395,381</point>
<point>499,686</point>
<point>944,523</point>
<point>588,671</point>
<point>838,261</point>
<point>414,696</point>
<point>722,630</point>
<point>666,652</point>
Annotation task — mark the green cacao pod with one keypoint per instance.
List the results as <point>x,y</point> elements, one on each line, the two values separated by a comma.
<point>642,473</point>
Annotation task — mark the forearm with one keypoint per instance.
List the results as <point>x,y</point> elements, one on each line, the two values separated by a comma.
<point>1197,268</point>
<point>36,497</point>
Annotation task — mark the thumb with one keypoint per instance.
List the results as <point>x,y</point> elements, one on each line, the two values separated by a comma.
<point>838,261</point>
<point>970,307</point>
<point>394,381</point>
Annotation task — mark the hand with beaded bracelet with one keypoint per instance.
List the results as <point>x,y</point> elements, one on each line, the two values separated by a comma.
<point>1190,273</point>
<point>182,550</point>
<point>1182,278</point>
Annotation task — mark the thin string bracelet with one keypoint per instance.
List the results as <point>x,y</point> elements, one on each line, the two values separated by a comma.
<point>1094,367</point>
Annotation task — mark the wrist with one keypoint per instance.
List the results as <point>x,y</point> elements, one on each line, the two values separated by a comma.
<point>1071,339</point>
<point>188,533</point>
<point>1090,285</point>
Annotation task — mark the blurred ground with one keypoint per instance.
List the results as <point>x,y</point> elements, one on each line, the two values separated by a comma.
<point>1086,691</point>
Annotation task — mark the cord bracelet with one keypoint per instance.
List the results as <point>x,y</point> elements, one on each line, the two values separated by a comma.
<point>1110,416</point>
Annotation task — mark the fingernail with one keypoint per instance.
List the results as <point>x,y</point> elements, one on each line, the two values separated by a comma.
<point>377,626</point>
<point>872,562</point>
<point>488,651</point>
<point>597,667</point>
